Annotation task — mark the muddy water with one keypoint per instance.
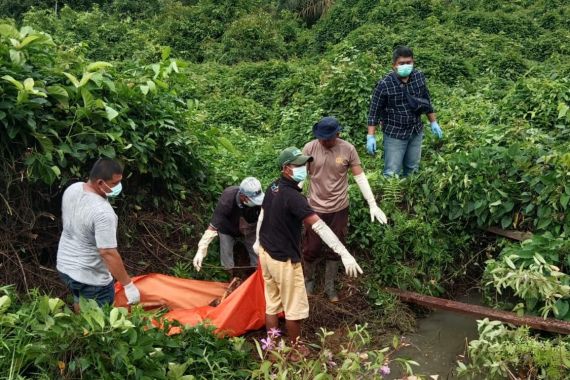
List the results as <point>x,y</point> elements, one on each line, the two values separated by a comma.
<point>440,337</point>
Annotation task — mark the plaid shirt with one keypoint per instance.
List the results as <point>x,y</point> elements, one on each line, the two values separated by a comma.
<point>390,106</point>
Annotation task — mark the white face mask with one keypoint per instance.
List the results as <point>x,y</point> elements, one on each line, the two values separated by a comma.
<point>299,174</point>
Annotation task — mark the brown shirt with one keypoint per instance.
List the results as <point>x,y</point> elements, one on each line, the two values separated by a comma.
<point>328,186</point>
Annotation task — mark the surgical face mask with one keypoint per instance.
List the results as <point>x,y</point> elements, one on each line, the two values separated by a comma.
<point>405,70</point>
<point>114,190</point>
<point>299,174</point>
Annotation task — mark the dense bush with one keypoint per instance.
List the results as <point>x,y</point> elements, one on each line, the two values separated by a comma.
<point>42,338</point>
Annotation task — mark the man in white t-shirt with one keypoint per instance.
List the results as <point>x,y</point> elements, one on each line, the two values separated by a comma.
<point>87,256</point>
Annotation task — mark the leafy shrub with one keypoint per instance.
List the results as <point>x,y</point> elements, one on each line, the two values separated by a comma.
<point>237,112</point>
<point>41,336</point>
<point>533,273</point>
<point>501,353</point>
<point>355,359</point>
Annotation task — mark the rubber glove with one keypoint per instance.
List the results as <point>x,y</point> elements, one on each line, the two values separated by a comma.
<point>132,293</point>
<point>256,244</point>
<point>375,211</point>
<point>436,130</point>
<point>329,238</point>
<point>371,144</point>
<point>203,244</point>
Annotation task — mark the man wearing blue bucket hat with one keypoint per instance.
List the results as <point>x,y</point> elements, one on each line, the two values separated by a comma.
<point>328,196</point>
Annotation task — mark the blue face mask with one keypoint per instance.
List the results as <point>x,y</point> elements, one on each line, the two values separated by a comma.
<point>114,190</point>
<point>299,174</point>
<point>405,70</point>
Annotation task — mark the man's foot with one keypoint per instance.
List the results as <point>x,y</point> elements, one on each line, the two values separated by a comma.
<point>333,298</point>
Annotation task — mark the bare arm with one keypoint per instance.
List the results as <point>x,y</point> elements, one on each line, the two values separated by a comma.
<point>356,170</point>
<point>115,265</point>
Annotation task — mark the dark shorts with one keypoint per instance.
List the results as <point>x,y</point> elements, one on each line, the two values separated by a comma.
<point>101,294</point>
<point>314,248</point>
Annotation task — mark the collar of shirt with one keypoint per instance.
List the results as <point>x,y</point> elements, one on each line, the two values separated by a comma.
<point>284,181</point>
<point>238,201</point>
<point>400,82</point>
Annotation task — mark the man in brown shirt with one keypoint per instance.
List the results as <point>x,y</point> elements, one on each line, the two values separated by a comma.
<point>328,196</point>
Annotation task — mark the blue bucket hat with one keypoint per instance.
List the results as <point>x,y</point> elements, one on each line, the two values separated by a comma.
<point>326,128</point>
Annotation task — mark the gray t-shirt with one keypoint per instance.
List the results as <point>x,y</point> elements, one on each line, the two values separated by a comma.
<point>89,224</point>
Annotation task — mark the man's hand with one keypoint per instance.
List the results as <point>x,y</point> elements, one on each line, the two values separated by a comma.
<point>132,293</point>
<point>436,130</point>
<point>203,244</point>
<point>377,213</point>
<point>371,144</point>
<point>350,264</point>
<point>198,258</point>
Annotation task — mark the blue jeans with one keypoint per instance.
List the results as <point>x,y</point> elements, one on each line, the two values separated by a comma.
<point>101,294</point>
<point>404,154</point>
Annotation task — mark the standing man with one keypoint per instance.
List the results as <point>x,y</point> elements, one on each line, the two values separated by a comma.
<point>87,256</point>
<point>235,217</point>
<point>398,102</point>
<point>284,211</point>
<point>333,158</point>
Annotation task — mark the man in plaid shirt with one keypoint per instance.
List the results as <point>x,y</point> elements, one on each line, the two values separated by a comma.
<point>401,123</point>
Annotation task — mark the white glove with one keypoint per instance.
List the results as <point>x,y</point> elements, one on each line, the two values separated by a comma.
<point>330,239</point>
<point>256,244</point>
<point>203,244</point>
<point>375,211</point>
<point>132,293</point>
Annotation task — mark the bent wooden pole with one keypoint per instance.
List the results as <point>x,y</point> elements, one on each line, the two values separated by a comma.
<point>552,325</point>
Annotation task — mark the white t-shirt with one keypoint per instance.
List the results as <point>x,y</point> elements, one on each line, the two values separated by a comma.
<point>89,224</point>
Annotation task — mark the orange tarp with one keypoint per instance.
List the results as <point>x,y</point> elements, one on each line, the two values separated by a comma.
<point>188,301</point>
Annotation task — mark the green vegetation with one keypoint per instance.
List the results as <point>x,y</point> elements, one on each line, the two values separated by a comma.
<point>193,95</point>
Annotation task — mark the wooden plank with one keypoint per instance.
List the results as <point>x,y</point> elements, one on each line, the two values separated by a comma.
<point>549,324</point>
<point>515,235</point>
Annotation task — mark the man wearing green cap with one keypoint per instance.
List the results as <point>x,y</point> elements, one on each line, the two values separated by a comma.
<point>333,158</point>
<point>283,213</point>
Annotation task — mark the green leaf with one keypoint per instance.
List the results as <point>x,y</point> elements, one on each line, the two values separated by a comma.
<point>96,66</point>
<point>86,77</point>
<point>510,263</point>
<point>227,144</point>
<point>111,113</point>
<point>56,171</point>
<point>506,221</point>
<point>543,223</point>
<point>114,316</point>
<point>562,110</point>
<point>72,78</point>
<point>395,342</point>
<point>18,85</point>
<point>144,89</point>
<point>5,303</point>
<point>29,84</point>
<point>561,308</point>
<point>564,198</point>
<point>28,40</point>
<point>8,30</point>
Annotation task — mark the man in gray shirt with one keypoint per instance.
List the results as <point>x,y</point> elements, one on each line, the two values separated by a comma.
<point>87,256</point>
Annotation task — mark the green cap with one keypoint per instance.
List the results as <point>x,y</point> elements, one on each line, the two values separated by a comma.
<point>293,156</point>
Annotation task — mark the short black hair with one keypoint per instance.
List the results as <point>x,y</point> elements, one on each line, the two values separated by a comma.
<point>402,51</point>
<point>104,169</point>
